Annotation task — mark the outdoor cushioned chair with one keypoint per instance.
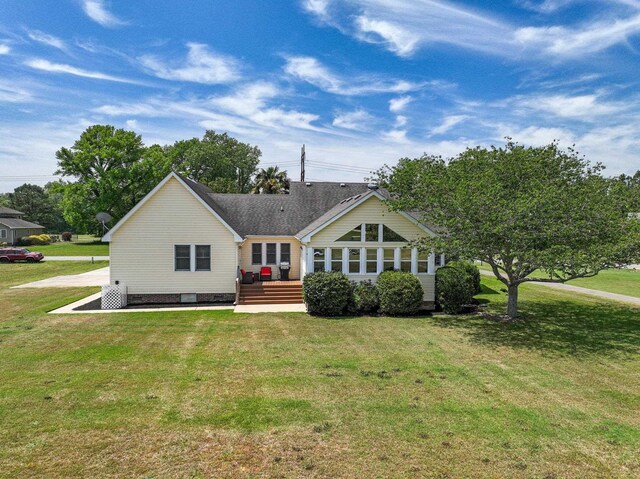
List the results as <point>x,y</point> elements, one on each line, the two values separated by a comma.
<point>247,277</point>
<point>265,273</point>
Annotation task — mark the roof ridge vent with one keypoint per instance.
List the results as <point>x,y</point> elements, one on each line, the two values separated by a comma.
<point>308,184</point>
<point>373,186</point>
<point>342,185</point>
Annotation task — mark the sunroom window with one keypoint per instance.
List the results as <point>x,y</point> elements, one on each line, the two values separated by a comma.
<point>405,259</point>
<point>372,260</point>
<point>318,259</point>
<point>388,259</point>
<point>371,232</point>
<point>336,259</point>
<point>423,262</point>
<point>390,236</point>
<point>353,235</point>
<point>354,260</point>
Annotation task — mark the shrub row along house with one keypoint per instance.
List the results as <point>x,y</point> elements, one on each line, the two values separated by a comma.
<point>184,243</point>
<point>13,226</point>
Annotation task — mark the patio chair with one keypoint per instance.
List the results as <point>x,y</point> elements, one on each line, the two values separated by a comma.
<point>265,273</point>
<point>247,277</point>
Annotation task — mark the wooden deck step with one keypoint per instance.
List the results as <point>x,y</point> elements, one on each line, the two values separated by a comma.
<point>271,292</point>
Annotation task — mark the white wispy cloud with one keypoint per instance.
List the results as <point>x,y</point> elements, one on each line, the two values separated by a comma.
<point>200,66</point>
<point>310,70</point>
<point>401,41</point>
<point>398,104</point>
<point>4,49</point>
<point>582,107</point>
<point>396,135</point>
<point>353,120</point>
<point>96,11</point>
<point>46,65</point>
<point>245,109</point>
<point>45,38</point>
<point>405,26</point>
<point>573,42</point>
<point>448,123</point>
<point>11,93</point>
<point>317,7</point>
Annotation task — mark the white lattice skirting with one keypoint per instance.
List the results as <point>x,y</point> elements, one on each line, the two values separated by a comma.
<point>114,296</point>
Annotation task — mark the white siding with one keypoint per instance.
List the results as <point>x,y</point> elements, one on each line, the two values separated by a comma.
<point>142,250</point>
<point>245,255</point>
<point>373,211</point>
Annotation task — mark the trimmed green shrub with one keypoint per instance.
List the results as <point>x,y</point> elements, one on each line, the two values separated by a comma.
<point>454,289</point>
<point>472,272</point>
<point>365,297</point>
<point>66,236</point>
<point>400,293</point>
<point>326,293</point>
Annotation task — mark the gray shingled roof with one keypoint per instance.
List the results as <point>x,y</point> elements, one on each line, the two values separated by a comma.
<point>14,223</point>
<point>278,215</point>
<point>8,211</point>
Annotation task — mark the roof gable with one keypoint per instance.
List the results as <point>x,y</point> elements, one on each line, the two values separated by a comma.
<point>188,187</point>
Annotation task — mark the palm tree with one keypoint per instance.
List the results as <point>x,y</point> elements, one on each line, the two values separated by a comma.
<point>271,181</point>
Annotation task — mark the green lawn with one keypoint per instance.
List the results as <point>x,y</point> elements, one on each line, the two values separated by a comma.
<point>73,249</point>
<point>217,394</point>
<point>620,281</point>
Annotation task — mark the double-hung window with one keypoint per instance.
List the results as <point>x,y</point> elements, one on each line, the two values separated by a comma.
<point>271,253</point>
<point>3,234</point>
<point>372,260</point>
<point>336,259</point>
<point>285,253</point>
<point>354,260</point>
<point>318,259</point>
<point>183,257</point>
<point>188,257</point>
<point>388,259</point>
<point>423,262</point>
<point>256,253</point>
<point>405,259</point>
<point>203,258</point>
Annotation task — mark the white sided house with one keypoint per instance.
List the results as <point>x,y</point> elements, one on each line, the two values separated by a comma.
<point>185,243</point>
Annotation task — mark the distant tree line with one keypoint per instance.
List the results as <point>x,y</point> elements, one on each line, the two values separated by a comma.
<point>110,170</point>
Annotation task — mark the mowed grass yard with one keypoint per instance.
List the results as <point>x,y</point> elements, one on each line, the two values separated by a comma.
<point>82,248</point>
<point>218,394</point>
<point>620,281</point>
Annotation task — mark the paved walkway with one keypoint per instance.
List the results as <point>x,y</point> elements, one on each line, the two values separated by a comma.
<point>96,277</point>
<point>577,289</point>
<point>76,258</point>
<point>270,308</point>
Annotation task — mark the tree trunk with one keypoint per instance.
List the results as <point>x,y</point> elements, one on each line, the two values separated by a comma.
<point>512,302</point>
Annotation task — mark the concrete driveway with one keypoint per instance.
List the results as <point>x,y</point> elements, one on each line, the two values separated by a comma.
<point>97,277</point>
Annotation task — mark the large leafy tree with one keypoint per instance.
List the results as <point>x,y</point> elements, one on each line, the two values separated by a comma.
<point>113,171</point>
<point>520,209</point>
<point>39,205</point>
<point>271,181</point>
<point>218,160</point>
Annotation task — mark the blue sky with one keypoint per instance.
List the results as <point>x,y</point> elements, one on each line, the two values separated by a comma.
<point>360,82</point>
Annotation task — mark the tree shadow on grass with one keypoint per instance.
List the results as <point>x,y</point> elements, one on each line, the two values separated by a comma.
<point>564,328</point>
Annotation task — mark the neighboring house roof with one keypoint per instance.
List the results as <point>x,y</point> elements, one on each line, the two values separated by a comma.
<point>16,223</point>
<point>8,211</point>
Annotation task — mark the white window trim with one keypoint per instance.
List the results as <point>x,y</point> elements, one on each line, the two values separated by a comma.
<point>192,259</point>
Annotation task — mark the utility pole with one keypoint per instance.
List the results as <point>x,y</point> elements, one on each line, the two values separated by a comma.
<point>302,157</point>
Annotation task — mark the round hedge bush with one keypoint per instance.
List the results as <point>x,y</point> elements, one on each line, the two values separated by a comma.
<point>472,272</point>
<point>365,297</point>
<point>454,289</point>
<point>326,293</point>
<point>400,293</point>
<point>67,235</point>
